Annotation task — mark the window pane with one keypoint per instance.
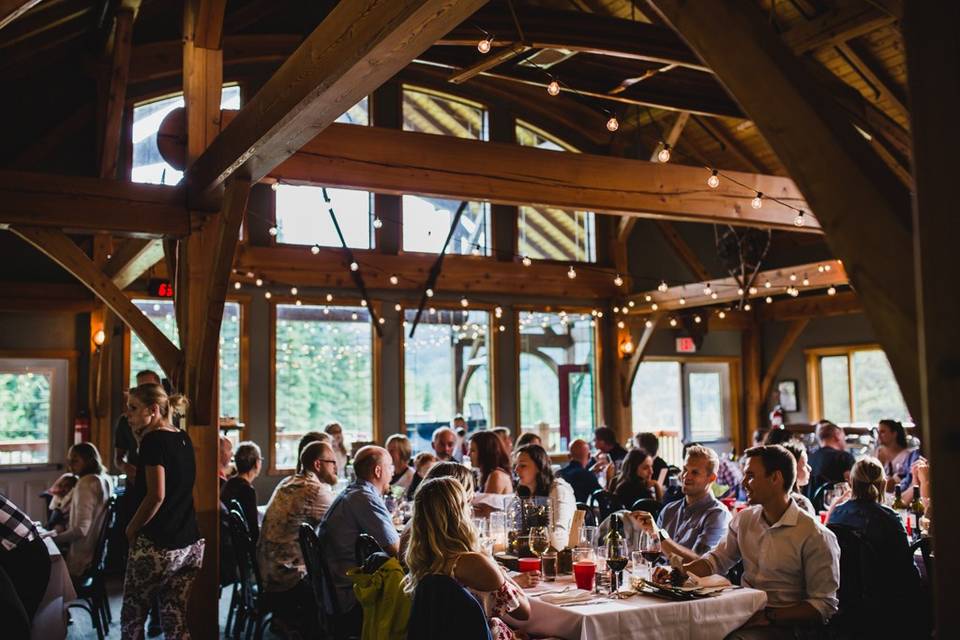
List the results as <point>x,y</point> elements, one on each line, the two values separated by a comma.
<point>303,216</point>
<point>230,361</point>
<point>530,136</point>
<point>161,313</point>
<point>706,406</point>
<point>24,417</point>
<point>324,367</point>
<point>426,223</point>
<point>556,351</point>
<point>876,394</point>
<point>358,114</point>
<point>431,112</point>
<point>657,397</point>
<point>549,233</point>
<point>836,389</point>
<point>446,371</point>
<point>148,165</point>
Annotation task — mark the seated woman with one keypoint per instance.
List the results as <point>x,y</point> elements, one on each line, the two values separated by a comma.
<point>803,475</point>
<point>422,464</point>
<point>488,456</point>
<point>444,541</point>
<point>527,437</point>
<point>535,473</point>
<point>446,469</point>
<point>88,503</point>
<point>635,480</point>
<point>400,449</point>
<point>248,461</point>
<point>335,431</point>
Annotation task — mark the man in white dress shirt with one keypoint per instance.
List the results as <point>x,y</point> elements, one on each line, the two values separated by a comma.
<point>785,552</point>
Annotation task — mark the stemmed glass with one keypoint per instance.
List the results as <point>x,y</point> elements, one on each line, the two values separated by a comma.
<point>617,561</point>
<point>649,547</point>
<point>539,541</point>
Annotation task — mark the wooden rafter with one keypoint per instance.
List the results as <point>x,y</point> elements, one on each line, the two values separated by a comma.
<point>132,260</point>
<point>683,250</point>
<point>207,22</point>
<point>116,85</point>
<point>489,61</point>
<point>354,50</point>
<point>868,71</point>
<point>10,10</point>
<point>92,204</point>
<point>62,250</point>
<point>849,19</point>
<point>864,213</point>
<point>794,330</point>
<point>820,275</point>
<point>822,306</point>
<point>731,144</point>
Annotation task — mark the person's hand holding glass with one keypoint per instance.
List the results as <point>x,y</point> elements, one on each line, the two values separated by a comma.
<point>649,548</point>
<point>617,561</point>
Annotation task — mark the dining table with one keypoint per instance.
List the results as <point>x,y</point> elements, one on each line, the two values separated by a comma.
<point>50,620</point>
<point>638,616</point>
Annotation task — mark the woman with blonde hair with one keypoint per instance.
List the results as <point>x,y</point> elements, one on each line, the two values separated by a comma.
<point>165,545</point>
<point>444,541</point>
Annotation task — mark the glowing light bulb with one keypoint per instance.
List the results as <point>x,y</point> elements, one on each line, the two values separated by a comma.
<point>647,298</point>
<point>682,301</point>
<point>707,290</point>
<point>571,273</point>
<point>627,347</point>
<point>381,320</point>
<point>648,324</point>
<point>354,266</point>
<point>429,293</point>
<point>798,220</point>
<point>236,285</point>
<point>315,249</point>
<point>275,186</point>
<point>298,303</point>
<point>767,285</point>
<point>475,251</point>
<point>484,45</point>
<point>697,319</point>
<point>329,297</point>
<point>631,304</point>
<point>553,88</point>
<point>673,322</point>
<point>613,124</point>
<point>714,295</point>
<point>273,231</point>
<point>722,315</point>
<point>599,314</point>
<point>616,309</point>
<point>714,180</point>
<point>433,311</point>
<point>363,303</point>
<point>394,280</point>
<point>397,307</point>
<point>769,299</point>
<point>498,311</point>
<point>806,281</point>
<point>832,291</point>
<point>618,281</point>
<point>654,306</point>
<point>621,325</point>
<point>293,291</point>
<point>747,307</point>
<point>740,291</point>
<point>826,267</point>
<point>377,223</point>
<point>793,277</point>
<point>259,282</point>
<point>526,261</point>
<point>464,302</point>
<point>821,269</point>
<point>664,154</point>
<point>753,291</point>
<point>267,295</point>
<point>757,201</point>
<point>662,287</point>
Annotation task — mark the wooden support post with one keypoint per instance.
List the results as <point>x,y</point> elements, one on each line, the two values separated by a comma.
<point>132,259</point>
<point>793,332</point>
<point>117,89</point>
<point>751,355</point>
<point>933,69</point>
<point>626,366</point>
<point>99,371</point>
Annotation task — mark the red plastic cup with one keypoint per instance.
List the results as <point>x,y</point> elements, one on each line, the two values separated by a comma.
<point>729,502</point>
<point>823,517</point>
<point>528,564</point>
<point>583,573</point>
<point>741,506</point>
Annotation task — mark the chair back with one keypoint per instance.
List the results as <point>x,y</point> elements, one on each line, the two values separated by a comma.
<point>440,606</point>
<point>603,503</point>
<point>590,517</point>
<point>816,498</point>
<point>365,547</point>
<point>649,505</point>
<point>317,573</point>
<point>100,553</point>
<point>246,558</point>
<point>860,586</point>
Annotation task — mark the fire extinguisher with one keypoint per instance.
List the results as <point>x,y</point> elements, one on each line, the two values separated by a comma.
<point>81,428</point>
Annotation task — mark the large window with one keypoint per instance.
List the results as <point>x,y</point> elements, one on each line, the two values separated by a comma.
<point>446,371</point>
<point>691,399</point>
<point>324,368</point>
<point>303,216</point>
<point>148,165</point>
<point>550,233</point>
<point>854,386</point>
<point>426,223</point>
<point>427,111</point>
<point>162,314</point>
<point>33,409</point>
<point>557,379</point>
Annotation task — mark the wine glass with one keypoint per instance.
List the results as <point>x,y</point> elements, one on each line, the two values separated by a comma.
<point>617,561</point>
<point>649,547</point>
<point>539,541</point>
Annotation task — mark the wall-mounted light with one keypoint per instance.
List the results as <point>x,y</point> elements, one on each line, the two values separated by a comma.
<point>99,338</point>
<point>626,347</point>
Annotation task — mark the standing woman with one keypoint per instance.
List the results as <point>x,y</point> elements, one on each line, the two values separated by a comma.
<point>488,456</point>
<point>335,431</point>
<point>88,503</point>
<point>165,545</point>
<point>534,472</point>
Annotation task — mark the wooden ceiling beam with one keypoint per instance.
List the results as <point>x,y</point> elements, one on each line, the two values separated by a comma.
<point>134,257</point>
<point>92,204</point>
<point>116,88</point>
<point>865,213</point>
<point>847,20</point>
<point>207,22</point>
<point>489,61</point>
<point>398,162</point>
<point>870,74</point>
<point>358,47</point>
<point>10,10</point>
<point>62,250</point>
<point>821,275</point>
<point>297,266</point>
<point>819,306</point>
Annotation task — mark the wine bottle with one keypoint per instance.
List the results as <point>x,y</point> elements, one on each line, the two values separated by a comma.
<point>899,506</point>
<point>916,507</point>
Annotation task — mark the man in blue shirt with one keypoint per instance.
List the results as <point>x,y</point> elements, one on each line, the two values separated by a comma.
<point>575,473</point>
<point>693,526</point>
<point>358,509</point>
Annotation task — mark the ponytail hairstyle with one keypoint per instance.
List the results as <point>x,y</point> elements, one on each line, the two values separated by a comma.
<point>171,407</point>
<point>867,479</point>
<point>898,431</point>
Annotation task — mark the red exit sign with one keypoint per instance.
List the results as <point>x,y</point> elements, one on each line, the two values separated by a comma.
<point>160,288</point>
<point>686,345</point>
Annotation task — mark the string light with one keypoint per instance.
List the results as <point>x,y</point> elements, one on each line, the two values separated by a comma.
<point>613,124</point>
<point>806,281</point>
<point>553,88</point>
<point>275,186</point>
<point>714,295</point>
<point>267,295</point>
<point>526,261</point>
<point>259,282</point>
<point>315,249</point>
<point>498,311</point>
<point>394,280</point>
<point>648,324</point>
<point>662,287</point>
<point>620,325</point>
<point>697,319</point>
<point>707,290</point>
<point>722,314</point>
<point>618,281</point>
<point>746,307</point>
<point>793,277</point>
<point>832,291</point>
<point>714,180</point>
<point>354,266</point>
<point>798,221</point>
<point>502,328</point>
<point>293,291</point>
<point>397,307</point>
<point>654,307</point>
<point>377,223</point>
<point>571,272</point>
<point>627,347</point>
<point>631,304</point>
<point>740,291</point>
<point>769,299</point>
<point>664,154</point>
<point>298,303</point>
<point>616,309</point>
<point>381,320</point>
<point>236,285</point>
<point>429,293</point>
<point>433,311</point>
<point>767,284</point>
<point>753,291</point>
<point>329,297</point>
<point>757,201</point>
<point>250,274</point>
<point>647,298</point>
<point>363,303</point>
<point>464,302</point>
<point>682,301</point>
<point>485,45</point>
<point>273,231</point>
<point>673,322</point>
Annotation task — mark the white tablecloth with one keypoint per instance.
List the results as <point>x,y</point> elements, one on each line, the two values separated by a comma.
<point>642,616</point>
<point>50,621</point>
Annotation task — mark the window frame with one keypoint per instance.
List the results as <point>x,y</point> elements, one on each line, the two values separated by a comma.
<point>813,357</point>
<point>375,364</point>
<point>451,97</point>
<point>57,447</point>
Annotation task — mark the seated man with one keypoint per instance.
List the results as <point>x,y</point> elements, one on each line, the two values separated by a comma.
<point>695,525</point>
<point>575,472</point>
<point>785,552</point>
<point>24,569</point>
<point>831,463</point>
<point>605,441</point>
<point>444,444</point>
<point>358,509</point>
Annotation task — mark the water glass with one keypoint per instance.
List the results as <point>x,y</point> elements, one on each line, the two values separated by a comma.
<point>549,566</point>
<point>482,526</point>
<point>640,571</point>
<point>588,535</point>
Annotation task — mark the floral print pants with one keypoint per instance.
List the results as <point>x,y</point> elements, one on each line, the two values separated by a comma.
<point>166,574</point>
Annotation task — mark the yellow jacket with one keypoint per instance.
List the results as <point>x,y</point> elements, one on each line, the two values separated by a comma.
<point>386,608</point>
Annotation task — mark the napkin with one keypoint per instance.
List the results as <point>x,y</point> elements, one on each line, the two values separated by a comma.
<point>568,597</point>
<point>709,581</point>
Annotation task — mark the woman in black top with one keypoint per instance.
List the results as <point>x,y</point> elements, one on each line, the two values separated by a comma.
<point>240,487</point>
<point>635,480</point>
<point>165,546</point>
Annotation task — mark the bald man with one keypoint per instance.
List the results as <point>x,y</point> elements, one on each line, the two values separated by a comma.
<point>359,509</point>
<point>583,481</point>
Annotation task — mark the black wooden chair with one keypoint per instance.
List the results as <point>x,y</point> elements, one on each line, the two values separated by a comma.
<point>331,621</point>
<point>365,547</point>
<point>229,567</point>
<point>818,496</point>
<point>443,609</point>
<point>649,505</point>
<point>590,516</point>
<point>91,588</point>
<point>603,503</point>
<point>254,613</point>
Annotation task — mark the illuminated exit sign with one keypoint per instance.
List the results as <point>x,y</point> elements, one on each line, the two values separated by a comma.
<point>686,345</point>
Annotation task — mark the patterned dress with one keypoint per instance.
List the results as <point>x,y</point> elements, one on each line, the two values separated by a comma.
<point>299,498</point>
<point>497,604</point>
